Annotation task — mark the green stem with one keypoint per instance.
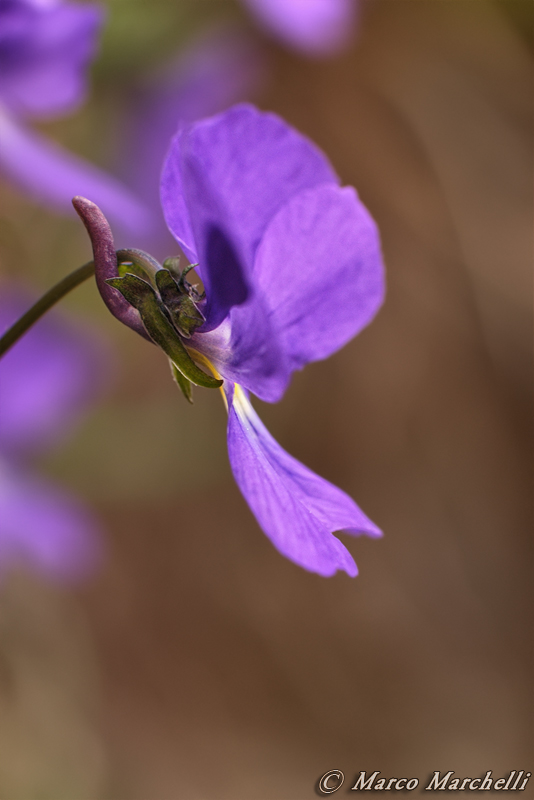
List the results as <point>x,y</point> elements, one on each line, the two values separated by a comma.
<point>46,302</point>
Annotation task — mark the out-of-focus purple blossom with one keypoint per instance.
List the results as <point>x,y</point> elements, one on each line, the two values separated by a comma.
<point>44,529</point>
<point>221,67</point>
<point>45,50</point>
<point>47,380</point>
<point>52,175</point>
<point>292,270</point>
<point>312,27</point>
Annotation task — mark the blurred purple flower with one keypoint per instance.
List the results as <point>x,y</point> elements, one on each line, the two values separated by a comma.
<point>292,270</point>
<point>45,49</point>
<point>221,67</point>
<point>313,27</point>
<point>46,381</point>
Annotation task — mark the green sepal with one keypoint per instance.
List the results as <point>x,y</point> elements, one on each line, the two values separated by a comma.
<point>184,383</point>
<point>129,268</point>
<point>142,296</point>
<point>173,265</point>
<point>182,310</point>
<point>137,262</point>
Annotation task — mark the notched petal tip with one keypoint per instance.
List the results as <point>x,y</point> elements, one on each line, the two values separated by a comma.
<point>297,509</point>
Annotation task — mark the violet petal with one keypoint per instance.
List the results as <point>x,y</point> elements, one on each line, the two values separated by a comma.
<point>221,259</point>
<point>243,345</point>
<point>320,268</point>
<point>297,509</point>
<point>245,349</point>
<point>253,163</point>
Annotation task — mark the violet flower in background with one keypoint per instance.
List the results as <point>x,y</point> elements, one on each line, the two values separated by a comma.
<point>314,28</point>
<point>292,270</point>
<point>46,381</point>
<point>45,50</point>
<point>221,67</point>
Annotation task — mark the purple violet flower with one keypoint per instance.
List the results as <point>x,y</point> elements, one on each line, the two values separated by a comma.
<point>45,49</point>
<point>292,270</point>
<point>313,27</point>
<point>46,380</point>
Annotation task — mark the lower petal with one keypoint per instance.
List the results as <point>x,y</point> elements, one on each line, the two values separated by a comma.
<point>297,509</point>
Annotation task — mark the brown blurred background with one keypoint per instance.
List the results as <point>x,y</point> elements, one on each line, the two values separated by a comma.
<point>199,663</point>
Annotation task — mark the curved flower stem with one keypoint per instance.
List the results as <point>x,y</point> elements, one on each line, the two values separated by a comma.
<point>52,296</point>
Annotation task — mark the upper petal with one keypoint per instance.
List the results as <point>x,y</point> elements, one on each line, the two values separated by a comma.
<point>254,163</point>
<point>174,201</point>
<point>297,509</point>
<point>314,27</point>
<point>238,336</point>
<point>319,266</point>
<point>221,258</point>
